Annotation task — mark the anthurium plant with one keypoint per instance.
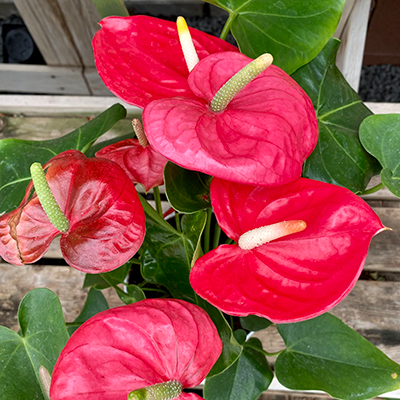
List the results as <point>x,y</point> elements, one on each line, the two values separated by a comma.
<point>263,150</point>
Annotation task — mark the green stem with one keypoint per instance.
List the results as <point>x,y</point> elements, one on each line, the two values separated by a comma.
<point>217,235</point>
<point>231,321</point>
<point>227,27</point>
<point>157,198</point>
<point>266,353</point>
<point>135,261</point>
<point>229,241</point>
<point>178,222</point>
<point>207,230</point>
<point>373,189</point>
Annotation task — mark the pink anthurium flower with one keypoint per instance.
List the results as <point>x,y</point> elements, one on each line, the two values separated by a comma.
<point>100,203</point>
<point>139,160</point>
<point>155,346</point>
<point>301,248</point>
<point>140,58</point>
<point>261,137</point>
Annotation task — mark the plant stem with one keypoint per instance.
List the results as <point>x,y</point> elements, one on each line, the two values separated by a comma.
<point>178,222</point>
<point>217,235</point>
<point>229,241</point>
<point>227,27</point>
<point>207,231</point>
<point>373,189</point>
<point>266,353</point>
<point>135,261</point>
<point>157,198</point>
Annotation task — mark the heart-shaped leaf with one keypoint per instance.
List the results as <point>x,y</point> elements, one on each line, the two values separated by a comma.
<point>293,31</point>
<point>254,323</point>
<point>325,354</point>
<point>16,156</point>
<point>43,336</point>
<point>338,157</point>
<point>167,255</point>
<point>246,379</point>
<point>380,135</point>
<point>187,191</point>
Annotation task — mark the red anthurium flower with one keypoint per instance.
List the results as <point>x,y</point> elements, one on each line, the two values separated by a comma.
<point>315,254</point>
<point>106,220</point>
<point>159,344</point>
<point>140,58</point>
<point>261,137</point>
<point>139,160</point>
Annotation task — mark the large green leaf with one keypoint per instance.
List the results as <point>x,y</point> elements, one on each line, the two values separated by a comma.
<point>187,191</point>
<point>16,156</point>
<point>293,31</point>
<point>246,379</point>
<point>43,336</point>
<point>231,347</point>
<point>325,354</point>
<point>338,157</point>
<point>167,255</point>
<point>95,303</point>
<point>380,135</point>
<point>107,8</point>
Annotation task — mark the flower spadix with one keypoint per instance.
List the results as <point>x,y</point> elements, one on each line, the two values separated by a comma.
<point>105,218</point>
<point>301,248</point>
<point>188,49</point>
<point>140,161</point>
<point>249,123</point>
<point>140,58</point>
<point>151,349</point>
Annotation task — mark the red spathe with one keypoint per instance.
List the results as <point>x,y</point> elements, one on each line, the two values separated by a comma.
<point>298,276</point>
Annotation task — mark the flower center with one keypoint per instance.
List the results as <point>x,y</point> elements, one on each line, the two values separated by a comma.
<point>47,200</point>
<point>238,81</point>
<point>139,132</point>
<point>160,391</point>
<point>189,52</point>
<point>259,236</point>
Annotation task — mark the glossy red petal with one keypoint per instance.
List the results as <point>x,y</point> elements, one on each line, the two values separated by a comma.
<point>261,138</point>
<point>295,277</point>
<point>142,164</point>
<point>130,347</point>
<point>107,224</point>
<point>140,58</point>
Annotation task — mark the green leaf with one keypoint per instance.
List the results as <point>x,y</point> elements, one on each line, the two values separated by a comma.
<point>133,294</point>
<point>293,31</point>
<point>231,348</point>
<point>16,156</point>
<point>325,354</point>
<point>246,379</point>
<point>380,135</point>
<point>167,255</point>
<point>187,191</point>
<point>95,303</point>
<point>254,323</point>
<point>106,8</point>
<point>338,157</point>
<point>107,279</point>
<point>43,336</point>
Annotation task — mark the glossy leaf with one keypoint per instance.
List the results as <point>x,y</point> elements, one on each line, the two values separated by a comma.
<point>140,58</point>
<point>187,191</point>
<point>231,348</point>
<point>293,31</point>
<point>106,8</point>
<point>106,219</point>
<point>338,157</point>
<point>95,303</point>
<point>167,255</point>
<point>43,335</point>
<point>16,156</point>
<point>131,347</point>
<point>246,379</point>
<point>254,323</point>
<point>380,135</point>
<point>116,277</point>
<point>132,294</point>
<point>261,138</point>
<point>297,275</point>
<point>325,354</point>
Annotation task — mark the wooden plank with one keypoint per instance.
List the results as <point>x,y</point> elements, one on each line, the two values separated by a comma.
<point>348,8</point>
<point>69,106</point>
<point>42,79</point>
<point>65,282</point>
<point>351,51</point>
<point>46,23</point>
